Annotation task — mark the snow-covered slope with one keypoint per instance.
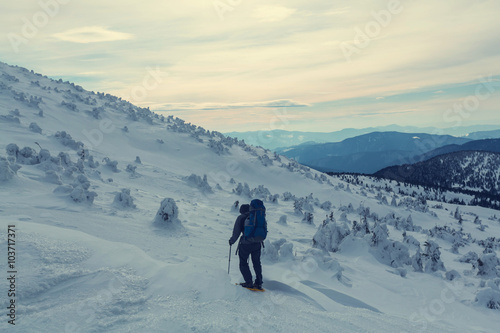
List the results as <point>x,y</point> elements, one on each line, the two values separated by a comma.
<point>82,178</point>
<point>477,171</point>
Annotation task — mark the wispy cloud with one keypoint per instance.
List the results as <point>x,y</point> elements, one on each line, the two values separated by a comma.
<point>271,13</point>
<point>287,50</point>
<point>92,34</point>
<point>283,103</point>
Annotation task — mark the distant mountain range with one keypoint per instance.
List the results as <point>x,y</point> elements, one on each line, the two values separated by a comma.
<point>491,145</point>
<point>371,152</point>
<point>477,171</point>
<point>274,139</point>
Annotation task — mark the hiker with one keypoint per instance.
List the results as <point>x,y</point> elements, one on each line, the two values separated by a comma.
<point>250,246</point>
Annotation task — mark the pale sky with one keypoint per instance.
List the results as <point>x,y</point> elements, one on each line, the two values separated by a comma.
<point>238,65</point>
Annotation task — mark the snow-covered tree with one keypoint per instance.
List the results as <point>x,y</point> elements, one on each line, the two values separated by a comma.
<point>112,165</point>
<point>35,128</point>
<point>327,205</point>
<point>168,213</point>
<point>487,265</point>
<point>432,255</point>
<point>123,199</point>
<point>379,234</point>
<point>417,261</point>
<point>308,218</point>
<point>330,234</point>
<point>200,183</point>
<point>297,206</point>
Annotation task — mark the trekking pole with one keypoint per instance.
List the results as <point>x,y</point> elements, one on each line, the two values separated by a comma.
<point>229,264</point>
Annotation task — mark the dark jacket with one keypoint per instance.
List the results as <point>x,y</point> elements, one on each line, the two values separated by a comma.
<point>239,225</point>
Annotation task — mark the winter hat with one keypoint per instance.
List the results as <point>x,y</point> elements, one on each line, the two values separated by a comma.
<point>244,209</point>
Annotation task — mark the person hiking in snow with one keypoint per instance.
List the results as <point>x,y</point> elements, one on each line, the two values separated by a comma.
<point>252,224</point>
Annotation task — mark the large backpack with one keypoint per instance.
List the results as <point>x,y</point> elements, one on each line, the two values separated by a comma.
<point>256,224</point>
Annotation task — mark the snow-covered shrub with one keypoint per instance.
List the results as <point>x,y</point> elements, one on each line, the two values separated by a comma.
<point>282,220</point>
<point>399,255</point>
<point>112,165</point>
<point>287,196</point>
<point>69,105</point>
<point>407,224</point>
<point>360,229</point>
<point>265,160</point>
<point>6,171</point>
<point>274,198</point>
<point>235,207</point>
<point>327,205</point>
<point>379,234</point>
<point>12,150</point>
<point>452,275</point>
<point>10,118</point>
<point>44,156</point>
<point>470,258</point>
<point>35,128</point>
<point>67,140</point>
<point>308,218</point>
<point>432,257</point>
<point>96,112</point>
<point>79,190</point>
<point>131,169</point>
<point>200,183</point>
<point>65,159</point>
<point>260,192</point>
<point>317,258</point>
<point>487,265</point>
<point>217,147</point>
<point>279,250</point>
<point>270,252</point>
<point>27,156</point>
<point>417,261</point>
<point>243,190</point>
<point>409,239</point>
<point>168,213</point>
<point>91,163</point>
<point>489,298</point>
<point>123,199</point>
<point>297,207</point>
<point>330,234</point>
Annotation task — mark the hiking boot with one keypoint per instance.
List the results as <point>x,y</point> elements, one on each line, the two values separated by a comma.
<point>257,286</point>
<point>247,285</point>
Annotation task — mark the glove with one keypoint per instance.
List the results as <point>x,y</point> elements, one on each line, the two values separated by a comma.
<point>230,243</point>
